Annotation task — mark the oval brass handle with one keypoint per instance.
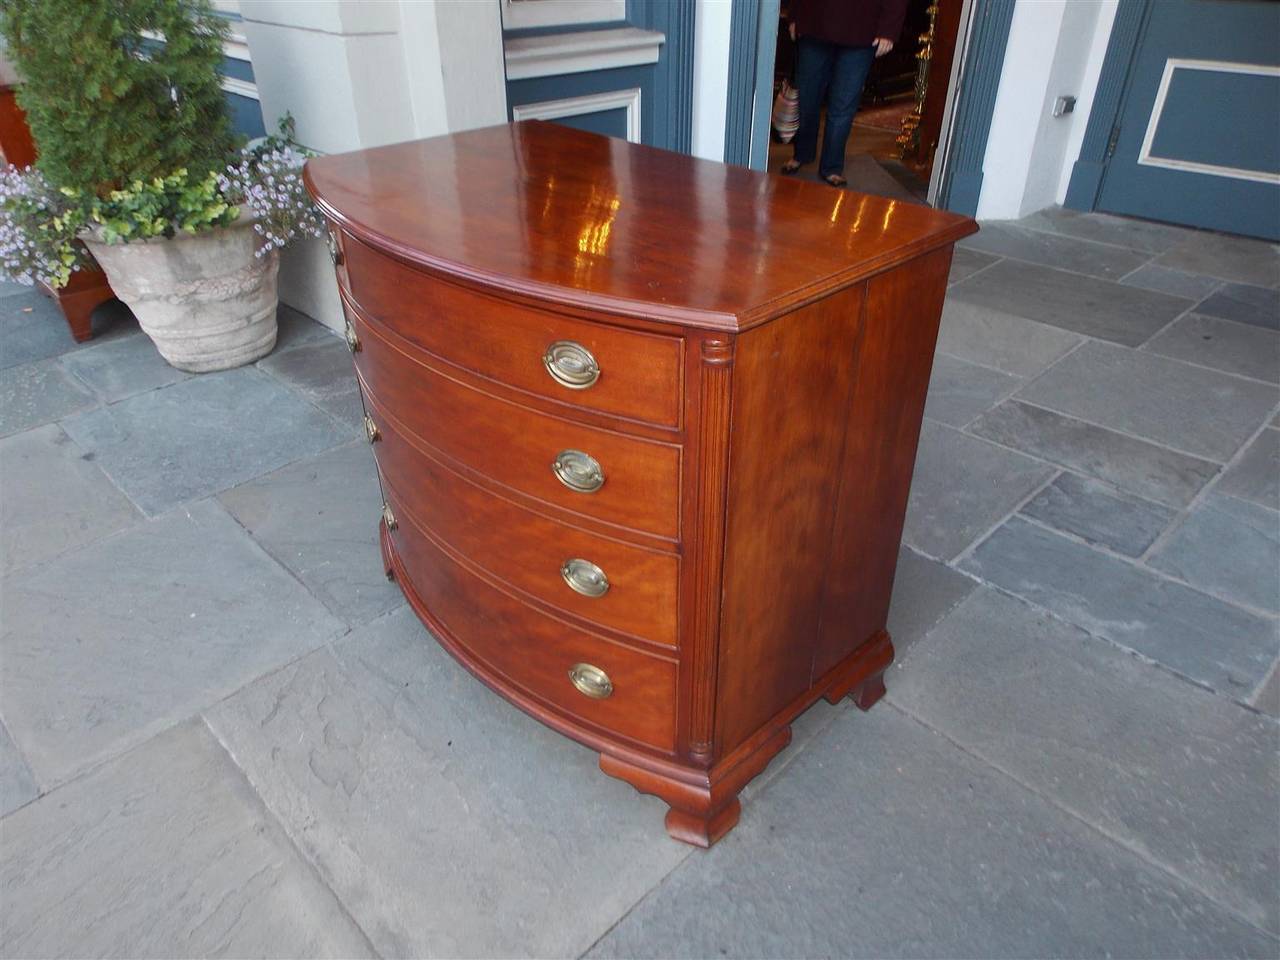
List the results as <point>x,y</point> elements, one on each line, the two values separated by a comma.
<point>388,517</point>
<point>371,429</point>
<point>571,365</point>
<point>578,471</point>
<point>584,577</point>
<point>353,341</point>
<point>591,681</point>
<point>331,241</point>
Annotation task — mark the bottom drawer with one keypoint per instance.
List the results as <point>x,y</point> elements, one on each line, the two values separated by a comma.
<point>537,653</point>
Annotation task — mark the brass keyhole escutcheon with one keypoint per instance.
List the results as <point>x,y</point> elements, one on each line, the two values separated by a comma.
<point>353,341</point>
<point>335,253</point>
<point>388,517</point>
<point>371,429</point>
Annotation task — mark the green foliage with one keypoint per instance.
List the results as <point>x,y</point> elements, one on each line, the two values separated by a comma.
<point>109,107</point>
<point>162,206</point>
<point>40,223</point>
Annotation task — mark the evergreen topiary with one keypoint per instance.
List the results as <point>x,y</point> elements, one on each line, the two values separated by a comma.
<point>107,105</point>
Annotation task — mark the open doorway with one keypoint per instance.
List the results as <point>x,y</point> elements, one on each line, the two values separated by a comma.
<point>895,134</point>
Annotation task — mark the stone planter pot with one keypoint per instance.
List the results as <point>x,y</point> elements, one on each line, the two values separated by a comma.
<point>205,300</point>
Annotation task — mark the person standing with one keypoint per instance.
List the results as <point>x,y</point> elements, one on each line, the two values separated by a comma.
<point>837,40</point>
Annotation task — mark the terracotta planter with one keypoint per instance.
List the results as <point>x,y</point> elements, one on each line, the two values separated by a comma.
<point>206,300</point>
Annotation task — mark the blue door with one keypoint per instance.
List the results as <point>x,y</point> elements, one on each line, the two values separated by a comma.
<point>1198,138</point>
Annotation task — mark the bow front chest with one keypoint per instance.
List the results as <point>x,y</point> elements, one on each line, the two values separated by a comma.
<point>645,427</point>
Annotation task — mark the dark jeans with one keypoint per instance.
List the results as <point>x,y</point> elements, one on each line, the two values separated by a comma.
<point>820,65</point>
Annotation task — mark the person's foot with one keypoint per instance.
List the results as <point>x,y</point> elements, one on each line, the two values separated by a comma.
<point>835,180</point>
<point>789,168</point>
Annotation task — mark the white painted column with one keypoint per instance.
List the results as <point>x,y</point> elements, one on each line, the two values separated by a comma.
<point>363,73</point>
<point>710,76</point>
<point>471,62</point>
<point>338,67</point>
<point>1055,49</point>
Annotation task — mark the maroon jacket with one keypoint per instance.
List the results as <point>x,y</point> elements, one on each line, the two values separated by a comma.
<point>849,23</point>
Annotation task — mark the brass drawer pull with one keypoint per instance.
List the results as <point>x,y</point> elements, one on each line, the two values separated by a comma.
<point>571,365</point>
<point>584,577</point>
<point>578,471</point>
<point>371,429</point>
<point>353,341</point>
<point>388,517</point>
<point>331,241</point>
<point>591,681</point>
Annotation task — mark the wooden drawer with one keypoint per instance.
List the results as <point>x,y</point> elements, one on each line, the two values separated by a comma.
<point>535,653</point>
<point>516,446</point>
<point>526,549</point>
<point>639,374</point>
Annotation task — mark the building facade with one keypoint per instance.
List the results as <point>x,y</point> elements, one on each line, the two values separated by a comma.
<point>1032,117</point>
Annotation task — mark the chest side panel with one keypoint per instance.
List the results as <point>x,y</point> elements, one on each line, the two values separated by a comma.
<point>890,382</point>
<point>790,389</point>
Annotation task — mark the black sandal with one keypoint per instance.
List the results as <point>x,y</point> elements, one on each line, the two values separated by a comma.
<point>790,168</point>
<point>835,180</point>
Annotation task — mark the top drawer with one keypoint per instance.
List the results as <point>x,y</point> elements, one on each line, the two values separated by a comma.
<point>593,365</point>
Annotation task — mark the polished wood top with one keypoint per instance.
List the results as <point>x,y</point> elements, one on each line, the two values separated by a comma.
<point>547,211</point>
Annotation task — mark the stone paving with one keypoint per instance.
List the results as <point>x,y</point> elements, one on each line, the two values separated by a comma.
<point>224,733</point>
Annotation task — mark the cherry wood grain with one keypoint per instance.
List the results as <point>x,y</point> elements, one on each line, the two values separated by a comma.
<point>886,408</point>
<point>85,291</point>
<point>790,394</point>
<point>714,367</point>
<point>581,219</point>
<point>860,675</point>
<point>532,651</point>
<point>765,347</point>
<point>516,445</point>
<point>704,810</point>
<point>640,374</point>
<point>525,549</point>
<point>16,145</point>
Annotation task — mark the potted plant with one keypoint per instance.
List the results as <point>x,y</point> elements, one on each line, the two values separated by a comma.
<point>138,166</point>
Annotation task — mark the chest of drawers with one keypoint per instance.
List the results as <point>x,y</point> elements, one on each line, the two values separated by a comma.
<point>645,427</point>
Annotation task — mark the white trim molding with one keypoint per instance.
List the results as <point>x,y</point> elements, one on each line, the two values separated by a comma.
<point>1194,166</point>
<point>580,106</point>
<point>235,47</point>
<point>522,14</point>
<point>241,88</point>
<point>551,55</point>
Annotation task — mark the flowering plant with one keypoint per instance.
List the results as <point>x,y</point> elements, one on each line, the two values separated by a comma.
<point>39,223</point>
<point>38,226</point>
<point>267,178</point>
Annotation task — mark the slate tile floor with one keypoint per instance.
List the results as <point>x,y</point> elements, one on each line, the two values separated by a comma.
<point>221,732</point>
